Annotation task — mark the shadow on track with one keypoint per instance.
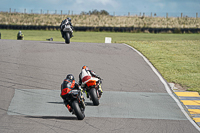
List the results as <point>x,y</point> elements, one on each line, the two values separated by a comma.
<point>53,117</point>
<point>51,42</point>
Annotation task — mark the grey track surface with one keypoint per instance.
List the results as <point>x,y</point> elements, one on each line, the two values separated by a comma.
<point>36,65</point>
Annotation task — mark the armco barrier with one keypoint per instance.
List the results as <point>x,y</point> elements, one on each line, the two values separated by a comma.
<point>111,29</point>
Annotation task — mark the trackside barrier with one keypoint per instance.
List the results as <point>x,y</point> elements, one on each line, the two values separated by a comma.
<point>111,29</point>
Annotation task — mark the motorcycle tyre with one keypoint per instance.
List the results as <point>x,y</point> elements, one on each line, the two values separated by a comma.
<point>93,94</point>
<point>79,114</point>
<point>67,38</point>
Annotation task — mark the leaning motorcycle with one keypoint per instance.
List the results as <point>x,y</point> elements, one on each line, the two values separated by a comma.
<point>92,89</point>
<point>20,36</point>
<point>77,103</point>
<point>67,32</point>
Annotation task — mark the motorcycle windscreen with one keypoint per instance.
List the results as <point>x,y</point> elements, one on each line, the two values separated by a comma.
<point>67,28</point>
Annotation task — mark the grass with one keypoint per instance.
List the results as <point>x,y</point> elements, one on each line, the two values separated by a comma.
<point>99,20</point>
<point>176,56</point>
<point>177,60</point>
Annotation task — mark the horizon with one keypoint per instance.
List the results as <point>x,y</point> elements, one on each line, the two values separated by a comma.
<point>174,8</point>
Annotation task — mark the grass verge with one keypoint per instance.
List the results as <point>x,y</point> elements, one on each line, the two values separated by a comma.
<point>178,61</point>
<point>176,56</point>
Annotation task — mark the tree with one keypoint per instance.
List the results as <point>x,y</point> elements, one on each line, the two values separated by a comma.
<point>95,12</point>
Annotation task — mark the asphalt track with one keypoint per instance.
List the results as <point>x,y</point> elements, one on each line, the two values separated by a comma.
<point>134,98</point>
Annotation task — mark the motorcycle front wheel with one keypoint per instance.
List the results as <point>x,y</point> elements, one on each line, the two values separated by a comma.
<point>93,94</point>
<point>67,38</point>
<point>79,114</point>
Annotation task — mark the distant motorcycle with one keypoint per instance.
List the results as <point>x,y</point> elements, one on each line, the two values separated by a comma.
<point>67,32</point>
<point>20,36</point>
<point>77,103</point>
<point>92,89</point>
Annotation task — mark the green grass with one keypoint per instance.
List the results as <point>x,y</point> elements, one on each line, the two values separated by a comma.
<point>98,37</point>
<point>176,56</point>
<point>177,60</point>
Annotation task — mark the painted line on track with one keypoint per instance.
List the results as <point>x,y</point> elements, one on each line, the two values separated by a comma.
<point>191,100</point>
<point>172,94</point>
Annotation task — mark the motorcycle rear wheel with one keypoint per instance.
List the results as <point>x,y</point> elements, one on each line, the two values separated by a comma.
<point>93,94</point>
<point>79,114</point>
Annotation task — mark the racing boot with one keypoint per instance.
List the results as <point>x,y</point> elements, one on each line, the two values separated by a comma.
<point>69,108</point>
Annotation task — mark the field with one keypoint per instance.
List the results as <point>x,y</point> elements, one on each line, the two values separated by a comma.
<point>100,20</point>
<point>176,56</point>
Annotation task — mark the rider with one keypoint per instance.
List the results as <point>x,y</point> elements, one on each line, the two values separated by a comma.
<point>89,72</point>
<point>20,35</point>
<point>62,25</point>
<point>68,84</point>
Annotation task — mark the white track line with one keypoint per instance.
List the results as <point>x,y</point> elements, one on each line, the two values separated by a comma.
<point>166,87</point>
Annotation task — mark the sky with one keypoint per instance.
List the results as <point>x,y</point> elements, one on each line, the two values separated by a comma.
<point>114,7</point>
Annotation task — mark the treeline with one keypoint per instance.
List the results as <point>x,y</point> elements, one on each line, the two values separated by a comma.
<point>95,12</point>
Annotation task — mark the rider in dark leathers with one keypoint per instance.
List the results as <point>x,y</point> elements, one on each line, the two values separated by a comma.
<point>68,84</point>
<point>62,25</point>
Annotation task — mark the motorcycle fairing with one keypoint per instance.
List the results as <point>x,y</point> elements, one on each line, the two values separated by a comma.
<point>65,91</point>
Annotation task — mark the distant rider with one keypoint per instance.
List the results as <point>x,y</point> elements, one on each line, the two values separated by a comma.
<point>90,73</point>
<point>68,84</point>
<point>20,36</point>
<point>62,26</point>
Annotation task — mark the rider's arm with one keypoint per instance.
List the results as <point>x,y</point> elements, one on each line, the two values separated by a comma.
<point>94,74</point>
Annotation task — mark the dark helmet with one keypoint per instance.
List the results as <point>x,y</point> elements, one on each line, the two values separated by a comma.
<point>85,67</point>
<point>69,19</point>
<point>70,77</point>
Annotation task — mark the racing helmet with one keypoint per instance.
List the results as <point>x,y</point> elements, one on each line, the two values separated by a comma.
<point>70,77</point>
<point>85,67</point>
<point>69,19</point>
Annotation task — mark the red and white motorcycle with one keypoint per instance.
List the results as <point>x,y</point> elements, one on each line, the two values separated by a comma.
<point>92,87</point>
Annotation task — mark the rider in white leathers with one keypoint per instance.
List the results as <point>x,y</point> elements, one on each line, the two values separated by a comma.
<point>83,77</point>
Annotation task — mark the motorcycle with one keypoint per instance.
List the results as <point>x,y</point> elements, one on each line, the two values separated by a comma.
<point>20,36</point>
<point>77,103</point>
<point>67,32</point>
<point>92,89</point>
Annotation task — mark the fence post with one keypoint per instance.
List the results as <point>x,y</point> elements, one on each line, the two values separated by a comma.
<point>128,13</point>
<point>196,15</point>
<point>181,15</point>
<point>151,14</point>
<point>69,12</point>
<point>10,10</point>
<point>166,15</point>
<point>41,11</point>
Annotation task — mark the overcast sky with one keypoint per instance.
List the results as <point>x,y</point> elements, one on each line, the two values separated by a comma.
<point>119,7</point>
